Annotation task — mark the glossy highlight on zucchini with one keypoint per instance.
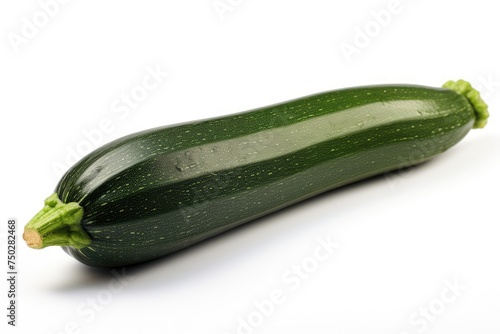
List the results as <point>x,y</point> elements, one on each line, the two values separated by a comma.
<point>155,192</point>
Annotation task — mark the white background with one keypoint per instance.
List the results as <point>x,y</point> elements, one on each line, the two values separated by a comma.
<point>402,238</point>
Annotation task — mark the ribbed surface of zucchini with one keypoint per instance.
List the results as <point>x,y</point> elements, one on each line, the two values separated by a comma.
<point>158,191</point>
<point>155,192</point>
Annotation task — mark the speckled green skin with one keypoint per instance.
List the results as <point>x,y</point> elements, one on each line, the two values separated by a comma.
<point>158,191</point>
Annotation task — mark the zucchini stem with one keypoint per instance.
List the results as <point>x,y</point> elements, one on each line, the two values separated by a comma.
<point>57,224</point>
<point>472,95</point>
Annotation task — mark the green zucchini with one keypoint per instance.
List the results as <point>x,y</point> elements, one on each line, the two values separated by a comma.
<point>155,192</point>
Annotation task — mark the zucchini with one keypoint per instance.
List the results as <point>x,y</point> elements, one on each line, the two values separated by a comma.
<point>155,192</point>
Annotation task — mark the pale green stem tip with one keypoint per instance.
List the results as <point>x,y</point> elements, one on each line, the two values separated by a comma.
<point>57,224</point>
<point>472,95</point>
